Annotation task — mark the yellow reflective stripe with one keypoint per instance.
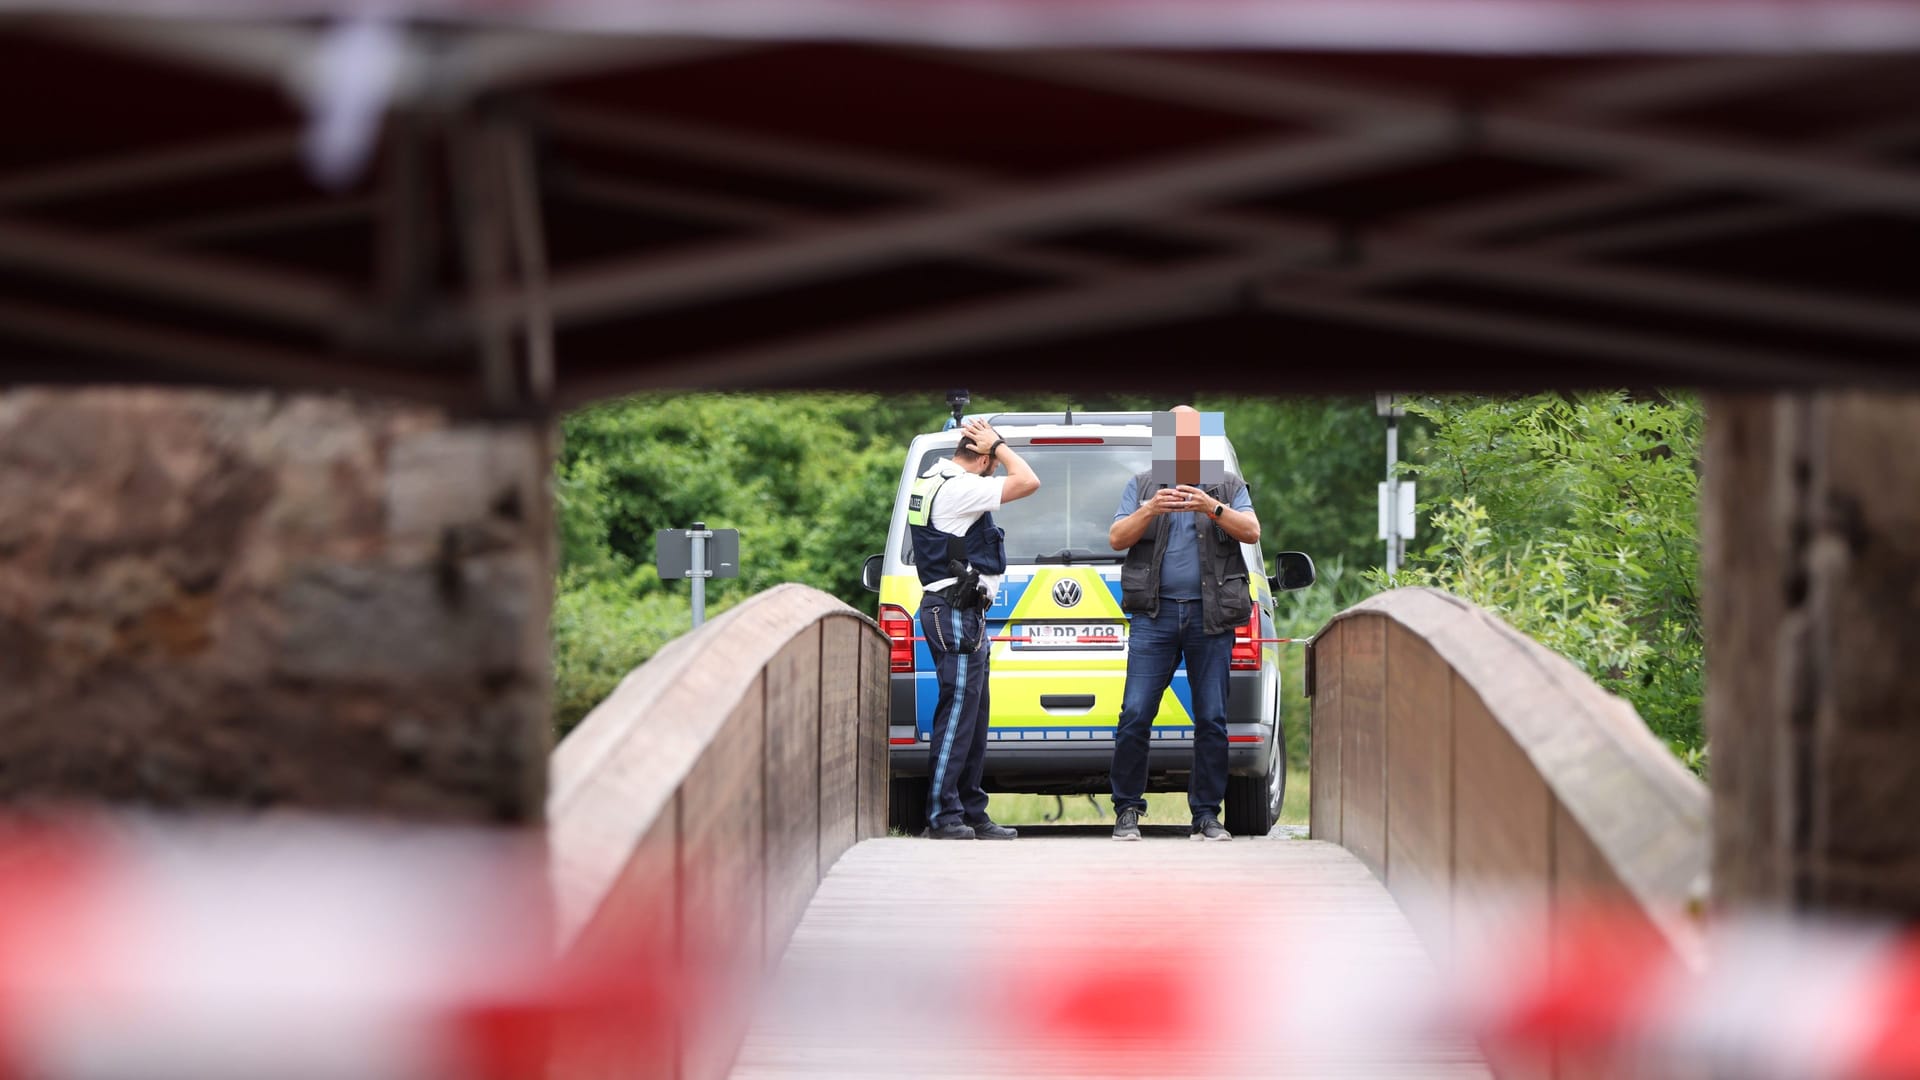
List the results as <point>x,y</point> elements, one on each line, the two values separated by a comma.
<point>1016,701</point>
<point>920,499</point>
<point>1023,661</point>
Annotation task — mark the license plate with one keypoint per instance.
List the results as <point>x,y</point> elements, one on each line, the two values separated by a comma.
<point>1072,636</point>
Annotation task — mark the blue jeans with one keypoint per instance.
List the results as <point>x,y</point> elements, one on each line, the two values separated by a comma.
<point>1155,646</point>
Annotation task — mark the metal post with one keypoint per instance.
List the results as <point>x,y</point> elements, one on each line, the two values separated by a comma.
<point>699,535</point>
<point>1393,498</point>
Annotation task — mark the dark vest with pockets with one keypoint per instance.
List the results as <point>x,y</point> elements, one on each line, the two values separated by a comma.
<point>983,547</point>
<point>1226,595</point>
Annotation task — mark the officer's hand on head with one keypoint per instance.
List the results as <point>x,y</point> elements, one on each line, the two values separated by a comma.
<point>980,435</point>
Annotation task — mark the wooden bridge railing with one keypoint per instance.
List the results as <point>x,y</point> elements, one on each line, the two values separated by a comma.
<point>1467,765</point>
<point>704,799</point>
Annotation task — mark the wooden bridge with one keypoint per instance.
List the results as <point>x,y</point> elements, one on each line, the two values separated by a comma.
<point>732,792</point>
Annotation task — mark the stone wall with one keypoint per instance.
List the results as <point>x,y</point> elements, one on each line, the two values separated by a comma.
<point>1811,530</point>
<point>259,600</point>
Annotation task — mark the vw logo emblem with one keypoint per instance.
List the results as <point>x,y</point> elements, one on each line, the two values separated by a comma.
<point>1066,593</point>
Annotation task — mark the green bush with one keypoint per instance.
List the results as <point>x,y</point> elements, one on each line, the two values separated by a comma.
<point>1573,518</point>
<point>604,629</point>
<point>807,479</point>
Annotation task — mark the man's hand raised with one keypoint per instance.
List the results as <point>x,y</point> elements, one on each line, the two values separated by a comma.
<point>980,436</point>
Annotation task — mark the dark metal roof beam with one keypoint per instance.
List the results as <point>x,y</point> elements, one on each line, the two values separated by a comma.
<point>702,206</point>
<point>1641,286</point>
<point>1134,192</point>
<point>1672,360</point>
<point>276,53</point>
<point>208,283</point>
<point>104,177</point>
<point>1117,301</point>
<point>1674,83</point>
<point>1580,141</point>
<point>790,225</point>
<point>775,156</point>
<point>487,58</point>
<point>259,221</point>
<point>165,349</point>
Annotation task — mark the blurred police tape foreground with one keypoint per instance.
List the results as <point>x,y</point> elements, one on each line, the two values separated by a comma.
<point>317,951</point>
<point>296,949</point>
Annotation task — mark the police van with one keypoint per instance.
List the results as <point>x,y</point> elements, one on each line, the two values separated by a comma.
<point>1054,694</point>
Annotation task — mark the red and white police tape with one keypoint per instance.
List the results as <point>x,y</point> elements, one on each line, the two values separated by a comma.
<point>297,950</point>
<point>322,952</point>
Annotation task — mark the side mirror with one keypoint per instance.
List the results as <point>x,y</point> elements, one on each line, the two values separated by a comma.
<point>1296,571</point>
<point>870,572</point>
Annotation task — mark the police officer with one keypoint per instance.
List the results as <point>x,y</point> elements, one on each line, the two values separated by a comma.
<point>960,555</point>
<point>1184,583</point>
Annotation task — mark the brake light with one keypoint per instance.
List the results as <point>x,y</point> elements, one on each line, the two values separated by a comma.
<point>899,630</point>
<point>1078,440</point>
<point>1246,650</point>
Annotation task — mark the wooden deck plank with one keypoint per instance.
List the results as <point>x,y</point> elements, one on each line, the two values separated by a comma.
<point>913,952</point>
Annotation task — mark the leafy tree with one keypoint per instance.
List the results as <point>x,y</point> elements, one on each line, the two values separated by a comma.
<point>1573,518</point>
<point>795,473</point>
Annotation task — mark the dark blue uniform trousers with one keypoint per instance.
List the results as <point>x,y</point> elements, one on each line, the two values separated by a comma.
<point>958,754</point>
<point>1155,647</point>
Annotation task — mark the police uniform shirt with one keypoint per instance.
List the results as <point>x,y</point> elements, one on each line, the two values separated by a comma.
<point>958,504</point>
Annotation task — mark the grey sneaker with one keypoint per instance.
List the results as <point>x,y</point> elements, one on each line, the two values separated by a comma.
<point>993,830</point>
<point>1126,824</point>
<point>1208,827</point>
<point>955,831</point>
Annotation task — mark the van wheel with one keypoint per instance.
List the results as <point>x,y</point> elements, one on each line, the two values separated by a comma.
<point>1253,802</point>
<point>907,804</point>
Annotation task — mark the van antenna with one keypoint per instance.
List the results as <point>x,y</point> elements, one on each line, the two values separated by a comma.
<point>1069,416</point>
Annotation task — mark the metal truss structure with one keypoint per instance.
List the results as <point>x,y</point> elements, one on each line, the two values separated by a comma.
<point>549,219</point>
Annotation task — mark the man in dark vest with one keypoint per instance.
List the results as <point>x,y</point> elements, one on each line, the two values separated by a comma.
<point>1185,585</point>
<point>960,555</point>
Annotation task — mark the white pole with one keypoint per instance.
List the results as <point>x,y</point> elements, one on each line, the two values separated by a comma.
<point>1393,498</point>
<point>699,535</point>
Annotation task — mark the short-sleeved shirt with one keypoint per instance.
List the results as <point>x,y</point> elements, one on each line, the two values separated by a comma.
<point>958,504</point>
<point>1180,563</point>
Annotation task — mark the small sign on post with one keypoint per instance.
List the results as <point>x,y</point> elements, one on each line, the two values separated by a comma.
<point>1399,514</point>
<point>697,554</point>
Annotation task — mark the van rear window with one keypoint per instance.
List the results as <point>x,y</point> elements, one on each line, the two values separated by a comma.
<point>1079,490</point>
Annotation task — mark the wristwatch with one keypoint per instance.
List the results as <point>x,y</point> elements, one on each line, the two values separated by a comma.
<point>995,448</point>
<point>1219,508</point>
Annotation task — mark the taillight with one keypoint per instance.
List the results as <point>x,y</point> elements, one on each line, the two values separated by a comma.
<point>1246,649</point>
<point>899,629</point>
